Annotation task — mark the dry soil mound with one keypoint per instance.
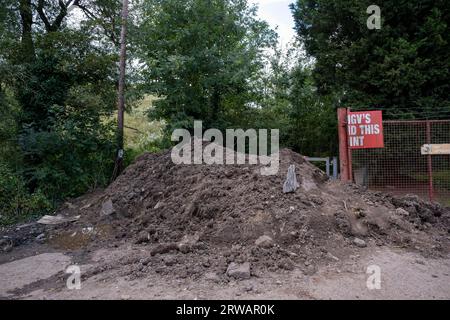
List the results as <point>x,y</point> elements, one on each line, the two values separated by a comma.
<point>193,220</point>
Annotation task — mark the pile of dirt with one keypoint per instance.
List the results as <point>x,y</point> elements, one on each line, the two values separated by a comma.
<point>229,220</point>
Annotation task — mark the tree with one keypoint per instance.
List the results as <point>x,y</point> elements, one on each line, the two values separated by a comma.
<point>59,94</point>
<point>202,59</point>
<point>403,67</point>
<point>307,121</point>
<point>69,93</point>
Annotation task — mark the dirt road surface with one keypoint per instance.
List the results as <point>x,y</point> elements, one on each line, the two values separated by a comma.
<point>404,275</point>
<point>166,231</point>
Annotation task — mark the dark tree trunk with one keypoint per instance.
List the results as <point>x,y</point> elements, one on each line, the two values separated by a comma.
<point>27,45</point>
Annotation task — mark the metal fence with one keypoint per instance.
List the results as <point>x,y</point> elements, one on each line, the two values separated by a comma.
<point>331,165</point>
<point>400,168</point>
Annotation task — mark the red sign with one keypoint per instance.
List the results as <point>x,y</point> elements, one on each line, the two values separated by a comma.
<point>365,130</point>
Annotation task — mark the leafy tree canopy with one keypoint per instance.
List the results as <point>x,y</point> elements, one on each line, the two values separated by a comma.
<point>403,67</point>
<point>203,58</point>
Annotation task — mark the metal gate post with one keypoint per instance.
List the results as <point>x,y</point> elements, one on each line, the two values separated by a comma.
<point>430,164</point>
<point>327,164</point>
<point>349,157</point>
<point>335,169</point>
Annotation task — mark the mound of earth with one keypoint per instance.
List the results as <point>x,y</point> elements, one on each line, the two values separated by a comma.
<point>229,220</point>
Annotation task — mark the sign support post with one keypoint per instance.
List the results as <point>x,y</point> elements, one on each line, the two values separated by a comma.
<point>344,152</point>
<point>430,164</point>
<point>357,130</point>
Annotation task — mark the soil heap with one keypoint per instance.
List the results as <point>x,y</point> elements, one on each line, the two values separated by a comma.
<point>231,220</point>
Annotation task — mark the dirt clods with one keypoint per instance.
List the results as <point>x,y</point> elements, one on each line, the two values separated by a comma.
<point>231,222</point>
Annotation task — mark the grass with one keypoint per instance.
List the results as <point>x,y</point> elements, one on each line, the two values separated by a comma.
<point>441,182</point>
<point>139,130</point>
<point>140,134</point>
<point>440,178</point>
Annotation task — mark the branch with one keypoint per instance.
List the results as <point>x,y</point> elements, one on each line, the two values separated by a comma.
<point>40,10</point>
<point>50,27</point>
<point>109,33</point>
<point>62,14</point>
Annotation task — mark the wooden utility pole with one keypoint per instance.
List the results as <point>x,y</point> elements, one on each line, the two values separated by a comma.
<point>121,92</point>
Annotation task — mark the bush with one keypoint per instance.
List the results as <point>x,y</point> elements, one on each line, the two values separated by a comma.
<point>75,156</point>
<point>16,204</point>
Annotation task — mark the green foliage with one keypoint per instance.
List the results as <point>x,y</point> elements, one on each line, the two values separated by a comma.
<point>312,126</point>
<point>56,139</point>
<point>16,203</point>
<point>60,65</point>
<point>307,121</point>
<point>202,58</point>
<point>140,134</point>
<point>66,145</point>
<point>8,129</point>
<point>403,67</point>
<point>75,154</point>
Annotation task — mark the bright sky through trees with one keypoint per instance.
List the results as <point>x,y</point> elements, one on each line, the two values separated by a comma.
<point>277,13</point>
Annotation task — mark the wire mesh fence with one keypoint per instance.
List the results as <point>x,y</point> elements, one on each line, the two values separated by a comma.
<point>400,168</point>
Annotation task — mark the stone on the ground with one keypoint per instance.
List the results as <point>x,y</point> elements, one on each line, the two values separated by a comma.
<point>41,236</point>
<point>212,276</point>
<point>291,184</point>
<point>70,205</point>
<point>359,243</point>
<point>239,271</point>
<point>188,242</point>
<point>157,205</point>
<point>170,260</point>
<point>143,237</point>
<point>107,208</point>
<point>310,270</point>
<point>58,219</point>
<point>402,212</point>
<point>163,248</point>
<point>6,245</point>
<point>249,287</point>
<point>286,264</point>
<point>264,242</point>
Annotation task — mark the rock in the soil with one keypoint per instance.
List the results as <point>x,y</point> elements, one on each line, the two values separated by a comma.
<point>163,248</point>
<point>359,243</point>
<point>239,271</point>
<point>310,270</point>
<point>212,276</point>
<point>158,205</point>
<point>170,260</point>
<point>286,264</point>
<point>264,242</point>
<point>58,219</point>
<point>402,212</point>
<point>41,237</point>
<point>188,242</point>
<point>248,287</point>
<point>291,184</point>
<point>143,237</point>
<point>70,205</point>
<point>332,257</point>
<point>6,245</point>
<point>107,208</point>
